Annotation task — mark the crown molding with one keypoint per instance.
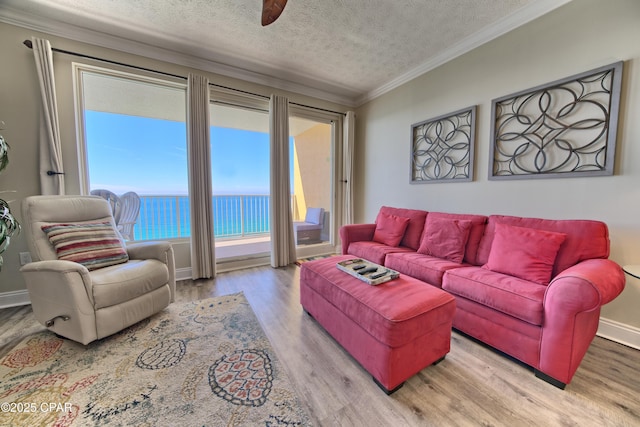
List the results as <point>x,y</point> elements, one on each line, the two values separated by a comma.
<point>509,23</point>
<point>134,43</point>
<point>323,90</point>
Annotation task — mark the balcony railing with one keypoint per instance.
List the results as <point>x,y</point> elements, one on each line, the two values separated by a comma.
<point>235,216</point>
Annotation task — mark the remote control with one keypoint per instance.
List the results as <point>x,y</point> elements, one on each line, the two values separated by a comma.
<point>377,276</point>
<point>359,267</point>
<point>368,270</point>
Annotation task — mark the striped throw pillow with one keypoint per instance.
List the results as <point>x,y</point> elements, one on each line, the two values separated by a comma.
<point>92,244</point>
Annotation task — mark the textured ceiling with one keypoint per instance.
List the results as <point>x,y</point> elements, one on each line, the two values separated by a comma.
<point>350,50</point>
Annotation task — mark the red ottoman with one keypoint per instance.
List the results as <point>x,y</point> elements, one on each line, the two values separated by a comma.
<point>394,330</point>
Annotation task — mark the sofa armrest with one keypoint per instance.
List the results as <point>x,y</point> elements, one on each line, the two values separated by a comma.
<point>160,250</point>
<point>572,312</point>
<point>62,288</point>
<point>602,279</point>
<point>355,233</point>
<point>604,276</point>
<point>148,250</point>
<point>56,276</point>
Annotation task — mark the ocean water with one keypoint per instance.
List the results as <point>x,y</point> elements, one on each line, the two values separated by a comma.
<point>167,217</point>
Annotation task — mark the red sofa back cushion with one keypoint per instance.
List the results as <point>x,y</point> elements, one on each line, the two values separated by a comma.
<point>586,239</point>
<point>445,238</point>
<point>475,234</point>
<point>390,229</point>
<point>412,235</point>
<point>527,253</point>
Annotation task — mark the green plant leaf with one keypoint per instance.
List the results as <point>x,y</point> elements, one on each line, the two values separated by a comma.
<point>8,223</point>
<point>9,226</point>
<point>4,153</point>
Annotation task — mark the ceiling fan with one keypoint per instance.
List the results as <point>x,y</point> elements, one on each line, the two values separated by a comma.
<point>271,10</point>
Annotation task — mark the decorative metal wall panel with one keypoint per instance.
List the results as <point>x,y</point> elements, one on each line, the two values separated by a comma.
<point>442,148</point>
<point>561,129</point>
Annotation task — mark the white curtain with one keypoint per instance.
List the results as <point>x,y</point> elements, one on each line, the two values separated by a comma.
<point>51,170</point>
<point>347,167</point>
<point>203,263</point>
<point>283,246</point>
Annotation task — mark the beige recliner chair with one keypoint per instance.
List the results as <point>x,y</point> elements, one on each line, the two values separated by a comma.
<point>83,301</point>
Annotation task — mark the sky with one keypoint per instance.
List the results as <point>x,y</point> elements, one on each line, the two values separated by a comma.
<point>149,156</point>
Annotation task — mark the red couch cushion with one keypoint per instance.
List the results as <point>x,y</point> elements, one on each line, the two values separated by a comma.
<point>526,253</point>
<point>445,238</point>
<point>423,267</point>
<point>413,232</point>
<point>390,229</point>
<point>510,295</point>
<point>475,233</point>
<point>373,251</point>
<point>586,239</point>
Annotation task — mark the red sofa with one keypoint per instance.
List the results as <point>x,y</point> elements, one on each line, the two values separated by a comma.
<point>529,287</point>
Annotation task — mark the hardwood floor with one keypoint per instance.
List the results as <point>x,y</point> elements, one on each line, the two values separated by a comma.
<point>473,386</point>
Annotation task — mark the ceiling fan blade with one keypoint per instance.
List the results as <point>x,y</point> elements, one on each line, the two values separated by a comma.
<point>271,10</point>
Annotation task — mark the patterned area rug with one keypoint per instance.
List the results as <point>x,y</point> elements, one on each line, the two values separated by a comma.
<point>204,363</point>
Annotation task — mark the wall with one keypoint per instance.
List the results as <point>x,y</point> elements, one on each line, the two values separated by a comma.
<point>19,109</point>
<point>577,37</point>
<point>313,158</point>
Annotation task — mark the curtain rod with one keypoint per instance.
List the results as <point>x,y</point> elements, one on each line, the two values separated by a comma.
<point>318,108</point>
<point>29,44</point>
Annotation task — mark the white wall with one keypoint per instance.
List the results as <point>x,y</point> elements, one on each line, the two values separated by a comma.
<point>577,37</point>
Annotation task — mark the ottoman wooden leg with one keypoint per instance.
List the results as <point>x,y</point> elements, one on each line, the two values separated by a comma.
<point>386,390</point>
<point>438,361</point>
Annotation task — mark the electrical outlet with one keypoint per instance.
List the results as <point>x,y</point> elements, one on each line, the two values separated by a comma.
<point>25,258</point>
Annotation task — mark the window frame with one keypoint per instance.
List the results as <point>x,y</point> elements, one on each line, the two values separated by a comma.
<point>224,96</point>
<point>335,120</point>
<point>79,108</point>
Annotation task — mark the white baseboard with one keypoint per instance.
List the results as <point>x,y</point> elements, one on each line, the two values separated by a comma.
<point>229,264</point>
<point>14,298</point>
<point>241,263</point>
<point>619,332</point>
<point>183,273</point>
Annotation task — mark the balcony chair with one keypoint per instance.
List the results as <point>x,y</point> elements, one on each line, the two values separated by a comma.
<point>308,231</point>
<point>129,211</point>
<point>112,198</point>
<point>90,294</point>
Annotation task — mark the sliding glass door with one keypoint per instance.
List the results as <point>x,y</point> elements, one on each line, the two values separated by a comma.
<point>240,179</point>
<point>312,180</point>
<point>240,174</point>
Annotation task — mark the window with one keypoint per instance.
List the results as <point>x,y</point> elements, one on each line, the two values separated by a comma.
<point>240,174</point>
<point>317,141</point>
<point>312,175</point>
<point>239,171</point>
<point>133,139</point>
